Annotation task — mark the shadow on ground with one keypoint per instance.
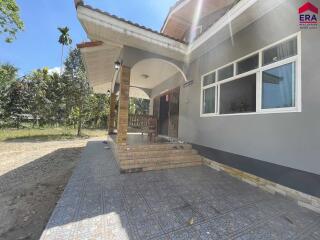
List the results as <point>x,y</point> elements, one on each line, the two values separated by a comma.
<point>37,138</point>
<point>28,194</point>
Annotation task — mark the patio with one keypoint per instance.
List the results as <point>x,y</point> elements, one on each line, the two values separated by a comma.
<point>142,139</point>
<point>186,203</point>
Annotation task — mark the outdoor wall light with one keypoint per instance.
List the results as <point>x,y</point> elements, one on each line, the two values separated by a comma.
<point>108,93</point>
<point>117,65</point>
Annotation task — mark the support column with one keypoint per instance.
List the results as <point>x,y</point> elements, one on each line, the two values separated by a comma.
<point>123,105</point>
<point>111,124</point>
<point>151,107</point>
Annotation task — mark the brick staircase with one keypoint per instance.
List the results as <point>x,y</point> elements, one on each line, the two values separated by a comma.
<point>138,158</point>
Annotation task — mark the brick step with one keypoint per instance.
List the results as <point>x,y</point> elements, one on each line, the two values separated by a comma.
<point>153,147</point>
<point>155,154</point>
<point>161,161</point>
<point>160,167</point>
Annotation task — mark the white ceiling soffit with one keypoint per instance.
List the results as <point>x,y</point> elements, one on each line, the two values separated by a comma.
<point>99,64</point>
<point>138,93</point>
<point>151,72</point>
<point>99,26</point>
<point>181,18</point>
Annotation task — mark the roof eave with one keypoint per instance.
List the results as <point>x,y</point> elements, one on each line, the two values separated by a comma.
<point>174,8</point>
<point>121,26</point>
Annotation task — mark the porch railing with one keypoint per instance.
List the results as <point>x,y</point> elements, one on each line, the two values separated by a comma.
<point>141,122</point>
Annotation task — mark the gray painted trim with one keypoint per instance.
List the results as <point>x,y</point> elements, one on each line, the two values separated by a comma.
<point>296,179</point>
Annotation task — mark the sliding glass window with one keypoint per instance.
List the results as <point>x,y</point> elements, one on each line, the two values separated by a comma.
<point>266,81</point>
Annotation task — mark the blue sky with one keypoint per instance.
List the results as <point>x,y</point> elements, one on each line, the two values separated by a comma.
<point>37,45</point>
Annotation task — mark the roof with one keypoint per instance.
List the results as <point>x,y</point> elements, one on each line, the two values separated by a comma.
<point>89,44</point>
<point>171,9</point>
<point>80,3</point>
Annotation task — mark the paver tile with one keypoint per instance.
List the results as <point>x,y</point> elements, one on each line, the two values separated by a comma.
<point>186,203</point>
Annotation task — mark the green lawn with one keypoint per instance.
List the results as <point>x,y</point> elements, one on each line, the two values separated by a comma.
<point>47,134</point>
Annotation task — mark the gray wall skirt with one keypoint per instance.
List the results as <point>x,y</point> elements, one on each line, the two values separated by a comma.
<point>292,178</point>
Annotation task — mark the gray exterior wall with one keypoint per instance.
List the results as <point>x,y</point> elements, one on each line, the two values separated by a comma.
<point>287,139</point>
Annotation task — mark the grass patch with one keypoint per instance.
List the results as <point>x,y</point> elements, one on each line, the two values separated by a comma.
<point>47,134</point>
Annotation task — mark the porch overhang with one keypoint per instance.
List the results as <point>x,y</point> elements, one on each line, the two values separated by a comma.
<point>99,59</point>
<point>114,34</point>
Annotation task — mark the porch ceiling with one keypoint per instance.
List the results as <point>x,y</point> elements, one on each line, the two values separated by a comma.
<point>99,63</point>
<point>151,72</point>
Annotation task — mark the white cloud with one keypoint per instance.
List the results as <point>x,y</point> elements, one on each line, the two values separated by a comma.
<point>54,70</point>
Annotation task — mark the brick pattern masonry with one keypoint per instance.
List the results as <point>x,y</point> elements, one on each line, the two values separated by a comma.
<point>112,113</point>
<point>123,105</point>
<point>305,200</point>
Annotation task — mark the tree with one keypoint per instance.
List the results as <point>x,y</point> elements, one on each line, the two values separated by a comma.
<point>8,74</point>
<point>77,90</point>
<point>16,102</point>
<point>39,103</point>
<point>64,40</point>
<point>99,105</point>
<point>10,22</point>
<point>138,106</point>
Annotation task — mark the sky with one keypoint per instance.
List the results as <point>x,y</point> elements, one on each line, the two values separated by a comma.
<point>37,46</point>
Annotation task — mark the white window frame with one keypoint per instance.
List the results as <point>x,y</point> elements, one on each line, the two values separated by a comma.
<point>258,71</point>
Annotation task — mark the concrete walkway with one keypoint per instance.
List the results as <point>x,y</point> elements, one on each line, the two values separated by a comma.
<point>187,203</point>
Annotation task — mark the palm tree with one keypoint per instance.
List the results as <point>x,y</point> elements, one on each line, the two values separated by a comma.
<point>64,40</point>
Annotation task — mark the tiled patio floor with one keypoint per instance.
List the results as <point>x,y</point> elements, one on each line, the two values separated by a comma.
<point>186,203</point>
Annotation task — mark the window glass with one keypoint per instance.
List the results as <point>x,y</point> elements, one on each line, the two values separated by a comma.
<point>238,96</point>
<point>279,52</point>
<point>278,87</point>
<point>209,79</point>
<point>209,95</point>
<point>248,64</point>
<point>225,72</point>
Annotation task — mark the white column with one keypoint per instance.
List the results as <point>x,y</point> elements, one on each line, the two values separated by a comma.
<point>151,106</point>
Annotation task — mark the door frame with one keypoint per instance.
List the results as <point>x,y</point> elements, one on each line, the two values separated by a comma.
<point>156,110</point>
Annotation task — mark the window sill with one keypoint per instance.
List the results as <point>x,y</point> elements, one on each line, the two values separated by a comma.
<point>253,113</point>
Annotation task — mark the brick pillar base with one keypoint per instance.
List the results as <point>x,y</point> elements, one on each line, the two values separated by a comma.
<point>111,123</point>
<point>123,105</point>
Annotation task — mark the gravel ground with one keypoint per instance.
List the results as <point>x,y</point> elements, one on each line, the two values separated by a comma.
<point>32,177</point>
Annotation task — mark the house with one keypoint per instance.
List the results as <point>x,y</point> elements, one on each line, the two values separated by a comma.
<point>239,80</point>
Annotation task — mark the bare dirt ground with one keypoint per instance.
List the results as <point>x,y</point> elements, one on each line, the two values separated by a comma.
<point>32,177</point>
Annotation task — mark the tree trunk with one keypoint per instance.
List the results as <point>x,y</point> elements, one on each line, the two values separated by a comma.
<point>61,60</point>
<point>79,122</point>
<point>79,127</point>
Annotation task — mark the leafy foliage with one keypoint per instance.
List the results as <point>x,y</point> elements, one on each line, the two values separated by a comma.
<point>139,106</point>
<point>50,98</point>
<point>64,38</point>
<point>8,74</point>
<point>10,22</point>
<point>57,100</point>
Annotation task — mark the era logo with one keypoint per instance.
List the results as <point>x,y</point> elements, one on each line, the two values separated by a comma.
<point>308,14</point>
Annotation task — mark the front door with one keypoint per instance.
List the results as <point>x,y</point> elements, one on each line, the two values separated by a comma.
<point>166,110</point>
<point>164,115</point>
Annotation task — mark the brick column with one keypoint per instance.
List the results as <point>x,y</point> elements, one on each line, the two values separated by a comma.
<point>123,105</point>
<point>111,123</point>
